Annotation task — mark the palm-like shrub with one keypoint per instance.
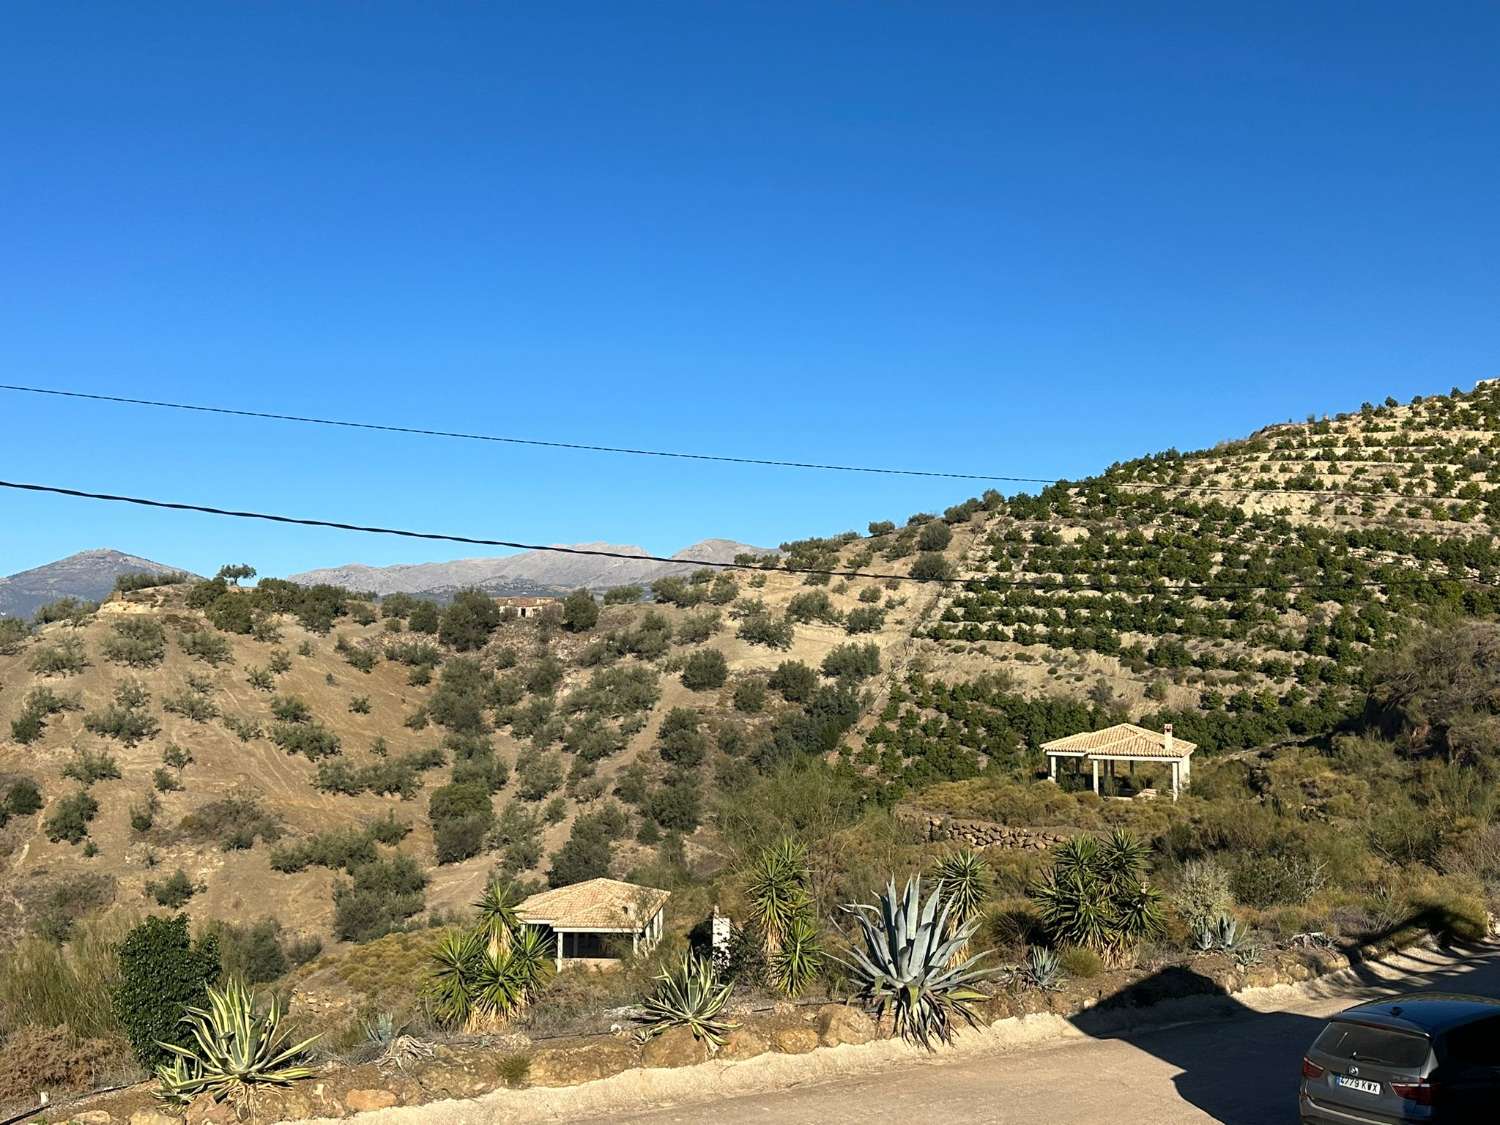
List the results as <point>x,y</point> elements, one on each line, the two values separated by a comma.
<point>1096,895</point>
<point>491,972</point>
<point>906,966</point>
<point>777,886</point>
<point>689,994</point>
<point>966,878</point>
<point>799,959</point>
<point>232,1050</point>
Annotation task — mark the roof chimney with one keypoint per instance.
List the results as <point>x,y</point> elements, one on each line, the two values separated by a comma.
<point>1166,732</point>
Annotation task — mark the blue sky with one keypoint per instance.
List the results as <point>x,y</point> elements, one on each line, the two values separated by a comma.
<point>1018,239</point>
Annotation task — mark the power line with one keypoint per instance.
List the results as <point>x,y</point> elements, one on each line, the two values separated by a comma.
<point>721,458</point>
<point>988,582</point>
<point>345,424</point>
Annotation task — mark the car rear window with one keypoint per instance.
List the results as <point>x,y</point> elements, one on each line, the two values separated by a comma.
<point>1379,1045</point>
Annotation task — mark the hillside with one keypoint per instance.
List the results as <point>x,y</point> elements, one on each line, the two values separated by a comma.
<point>87,576</point>
<point>528,572</point>
<point>1313,606</point>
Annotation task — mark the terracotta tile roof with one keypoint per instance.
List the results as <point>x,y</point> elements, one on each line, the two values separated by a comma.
<point>1122,739</point>
<point>595,904</point>
<point>520,601</point>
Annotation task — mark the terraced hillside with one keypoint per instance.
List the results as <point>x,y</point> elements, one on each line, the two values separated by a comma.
<point>1236,591</point>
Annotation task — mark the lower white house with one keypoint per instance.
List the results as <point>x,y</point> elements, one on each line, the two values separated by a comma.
<point>592,923</point>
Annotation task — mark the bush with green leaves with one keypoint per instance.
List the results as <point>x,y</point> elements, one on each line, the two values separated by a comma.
<point>68,821</point>
<point>580,612</point>
<point>88,766</point>
<point>61,657</point>
<point>814,605</point>
<point>40,704</point>
<point>380,898</point>
<point>234,1048</point>
<point>905,963</point>
<point>13,632</point>
<point>163,972</point>
<point>126,720</point>
<point>750,695</point>
<point>624,595</point>
<point>194,702</point>
<point>689,994</point>
<point>461,814</point>
<point>139,642</point>
<point>235,823</point>
<point>763,628</point>
<point>205,645</point>
<point>23,797</point>
<point>864,619</point>
<point>173,891</point>
<point>70,610</point>
<point>681,740</point>
<point>705,670</point>
<point>794,680</point>
<point>588,849</point>
<point>931,566</point>
<point>468,621</point>
<point>1096,895</point>
<point>312,740</point>
<point>852,661</point>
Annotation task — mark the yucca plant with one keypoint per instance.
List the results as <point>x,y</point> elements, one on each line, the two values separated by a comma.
<point>906,966</point>
<point>689,994</point>
<point>233,1049</point>
<point>1041,968</point>
<point>799,960</point>
<point>966,878</point>
<point>777,886</point>
<point>1096,895</point>
<point>488,974</point>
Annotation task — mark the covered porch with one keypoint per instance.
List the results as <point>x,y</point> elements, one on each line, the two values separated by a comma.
<point>594,922</point>
<point>1127,743</point>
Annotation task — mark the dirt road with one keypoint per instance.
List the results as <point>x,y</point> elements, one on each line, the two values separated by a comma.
<point>1232,1060</point>
<point>1240,1070</point>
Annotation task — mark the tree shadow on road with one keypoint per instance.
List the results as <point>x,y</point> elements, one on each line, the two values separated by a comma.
<point>1238,1065</point>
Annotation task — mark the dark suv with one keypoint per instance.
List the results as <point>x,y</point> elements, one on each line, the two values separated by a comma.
<point>1432,1057</point>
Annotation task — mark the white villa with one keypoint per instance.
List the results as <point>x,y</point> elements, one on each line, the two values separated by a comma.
<point>590,921</point>
<point>1128,743</point>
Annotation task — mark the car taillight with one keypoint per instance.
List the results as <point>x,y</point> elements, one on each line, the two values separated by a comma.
<point>1420,1092</point>
<point>1311,1069</point>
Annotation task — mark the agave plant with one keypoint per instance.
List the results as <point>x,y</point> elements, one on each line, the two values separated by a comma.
<point>1228,935</point>
<point>966,878</point>
<point>906,965</point>
<point>799,960</point>
<point>1041,968</point>
<point>689,995</point>
<point>233,1049</point>
<point>1205,936</point>
<point>777,886</point>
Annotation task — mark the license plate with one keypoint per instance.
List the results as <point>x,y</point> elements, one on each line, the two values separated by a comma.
<point>1364,1086</point>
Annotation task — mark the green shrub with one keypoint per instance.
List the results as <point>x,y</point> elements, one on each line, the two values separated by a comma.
<point>126,719</point>
<point>750,695</point>
<point>705,670</point>
<point>162,973</point>
<point>312,740</point>
<point>139,642</point>
<point>69,819</point>
<point>761,628</point>
<point>794,680</point>
<point>171,892</point>
<point>62,657</point>
<point>467,622</point>
<point>1077,962</point>
<point>461,814</point>
<point>13,632</point>
<point>864,619</point>
<point>931,566</point>
<point>88,766</point>
<point>624,595</point>
<point>23,797</point>
<point>580,612</point>
<point>257,953</point>
<point>379,899</point>
<point>205,645</point>
<point>853,662</point>
<point>235,823</point>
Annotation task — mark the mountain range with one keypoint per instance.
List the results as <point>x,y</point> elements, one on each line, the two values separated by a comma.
<point>90,575</point>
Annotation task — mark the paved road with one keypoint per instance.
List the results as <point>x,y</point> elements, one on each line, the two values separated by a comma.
<point>1239,1070</point>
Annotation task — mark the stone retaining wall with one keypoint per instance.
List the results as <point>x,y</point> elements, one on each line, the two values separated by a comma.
<point>987,833</point>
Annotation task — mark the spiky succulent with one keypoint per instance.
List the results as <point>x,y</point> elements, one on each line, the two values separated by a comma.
<point>476,981</point>
<point>799,959</point>
<point>233,1049</point>
<point>906,966</point>
<point>966,878</point>
<point>777,887</point>
<point>1096,895</point>
<point>688,995</point>
<point>1041,968</point>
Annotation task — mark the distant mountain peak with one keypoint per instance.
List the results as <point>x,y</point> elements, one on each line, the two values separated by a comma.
<point>89,575</point>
